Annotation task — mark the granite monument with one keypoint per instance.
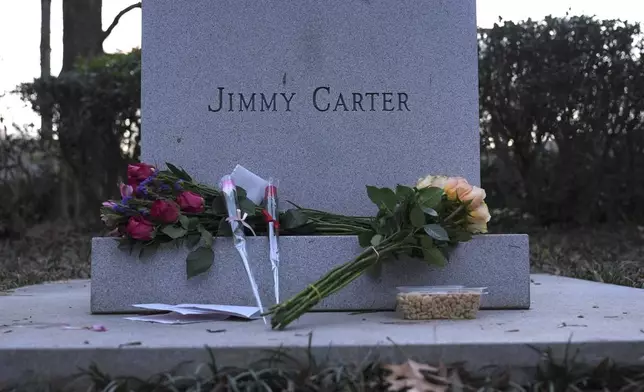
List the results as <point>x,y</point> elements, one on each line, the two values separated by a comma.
<point>328,97</point>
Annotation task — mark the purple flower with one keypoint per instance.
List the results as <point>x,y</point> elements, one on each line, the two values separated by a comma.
<point>110,204</point>
<point>142,190</point>
<point>126,190</point>
<point>177,185</point>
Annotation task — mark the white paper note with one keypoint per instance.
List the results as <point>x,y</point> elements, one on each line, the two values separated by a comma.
<point>253,184</point>
<point>171,308</point>
<point>178,318</point>
<point>249,312</point>
<point>195,313</point>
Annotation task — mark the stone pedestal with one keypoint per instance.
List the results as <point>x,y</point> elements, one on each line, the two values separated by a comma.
<point>499,262</point>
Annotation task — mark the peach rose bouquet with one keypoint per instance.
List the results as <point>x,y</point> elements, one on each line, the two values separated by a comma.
<point>470,198</point>
<point>423,222</point>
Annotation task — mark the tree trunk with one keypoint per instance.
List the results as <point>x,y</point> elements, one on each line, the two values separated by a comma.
<point>82,30</point>
<point>45,67</point>
<point>82,38</point>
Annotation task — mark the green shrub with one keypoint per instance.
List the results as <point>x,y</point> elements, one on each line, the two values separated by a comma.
<point>562,124</point>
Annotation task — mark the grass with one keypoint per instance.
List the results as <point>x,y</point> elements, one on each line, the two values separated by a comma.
<point>46,252</point>
<point>608,253</point>
<point>603,253</point>
<point>280,372</point>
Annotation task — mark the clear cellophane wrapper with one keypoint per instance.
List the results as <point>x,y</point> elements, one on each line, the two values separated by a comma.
<point>239,238</point>
<point>270,198</point>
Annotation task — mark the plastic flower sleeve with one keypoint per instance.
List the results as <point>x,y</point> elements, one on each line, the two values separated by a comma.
<point>272,216</point>
<point>237,224</point>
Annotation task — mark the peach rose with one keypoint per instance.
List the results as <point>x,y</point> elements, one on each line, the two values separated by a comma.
<point>475,196</point>
<point>478,218</point>
<point>477,228</point>
<point>456,186</point>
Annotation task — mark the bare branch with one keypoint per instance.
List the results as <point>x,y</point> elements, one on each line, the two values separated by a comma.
<point>118,18</point>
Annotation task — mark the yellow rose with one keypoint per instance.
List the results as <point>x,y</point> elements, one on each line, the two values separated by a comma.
<point>431,181</point>
<point>475,196</point>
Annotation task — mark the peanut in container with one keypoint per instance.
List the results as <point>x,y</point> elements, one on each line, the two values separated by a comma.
<point>439,302</point>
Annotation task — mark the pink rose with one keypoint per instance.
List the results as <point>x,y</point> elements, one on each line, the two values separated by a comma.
<point>139,228</point>
<point>164,211</point>
<point>138,172</point>
<point>190,202</point>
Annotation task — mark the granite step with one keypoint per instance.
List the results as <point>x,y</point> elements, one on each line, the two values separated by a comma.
<point>600,319</point>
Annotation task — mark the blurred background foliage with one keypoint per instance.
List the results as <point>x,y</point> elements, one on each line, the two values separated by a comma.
<point>562,140</point>
<point>562,119</point>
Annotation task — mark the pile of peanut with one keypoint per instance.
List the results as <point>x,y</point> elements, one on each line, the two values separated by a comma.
<point>426,306</point>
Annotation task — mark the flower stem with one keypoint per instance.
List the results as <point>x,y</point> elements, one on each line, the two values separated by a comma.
<point>330,283</point>
<point>453,214</point>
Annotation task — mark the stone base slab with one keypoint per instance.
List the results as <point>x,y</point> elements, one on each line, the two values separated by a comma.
<point>35,343</point>
<point>499,262</point>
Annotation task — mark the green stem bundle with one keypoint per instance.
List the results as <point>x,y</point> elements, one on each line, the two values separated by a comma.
<point>332,282</point>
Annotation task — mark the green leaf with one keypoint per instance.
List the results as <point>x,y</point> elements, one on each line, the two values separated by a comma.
<point>193,223</point>
<point>241,193</point>
<point>247,206</point>
<point>206,236</point>
<point>224,229</point>
<point>461,236</point>
<point>199,261</point>
<point>293,218</point>
<point>219,206</point>
<point>376,240</point>
<point>184,221</point>
<point>174,232</point>
<point>430,197</point>
<point>436,232</point>
<point>389,198</point>
<point>382,197</point>
<point>433,255</point>
<point>403,192</point>
<point>417,217</point>
<point>374,195</point>
<point>430,211</point>
<point>192,240</point>
<point>180,173</point>
<point>411,240</point>
<point>426,242</point>
<point>365,239</point>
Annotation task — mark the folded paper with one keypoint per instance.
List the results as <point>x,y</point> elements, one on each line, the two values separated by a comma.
<point>253,184</point>
<point>195,313</point>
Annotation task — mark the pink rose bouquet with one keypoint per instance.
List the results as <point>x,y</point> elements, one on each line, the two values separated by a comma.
<point>162,206</point>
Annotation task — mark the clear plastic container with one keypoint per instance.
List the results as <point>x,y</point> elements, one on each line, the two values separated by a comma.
<point>439,302</point>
